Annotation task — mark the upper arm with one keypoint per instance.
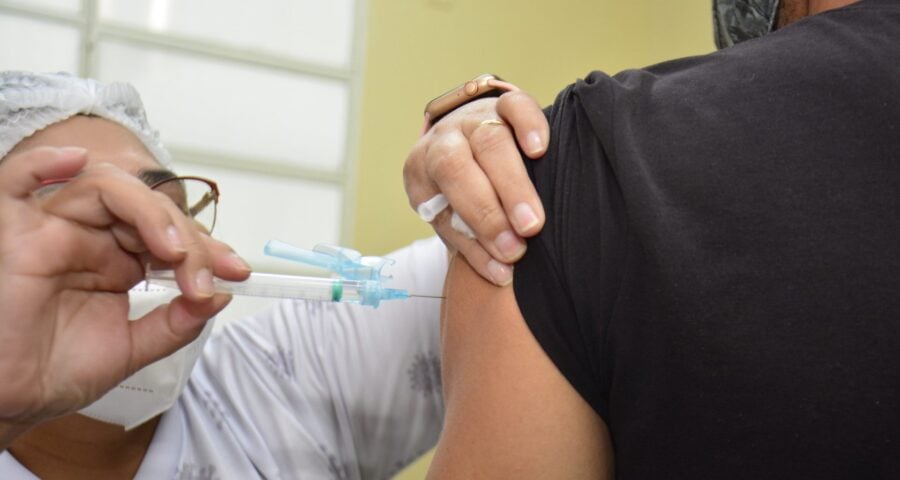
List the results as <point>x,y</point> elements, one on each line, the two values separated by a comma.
<point>510,413</point>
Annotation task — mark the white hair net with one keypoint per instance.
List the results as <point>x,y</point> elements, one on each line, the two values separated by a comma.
<point>32,101</point>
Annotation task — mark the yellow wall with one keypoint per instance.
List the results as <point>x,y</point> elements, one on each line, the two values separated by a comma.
<point>417,49</point>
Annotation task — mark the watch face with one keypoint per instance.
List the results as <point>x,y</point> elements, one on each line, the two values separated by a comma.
<point>485,85</point>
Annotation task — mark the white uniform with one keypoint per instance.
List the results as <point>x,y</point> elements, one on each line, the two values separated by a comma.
<point>310,390</point>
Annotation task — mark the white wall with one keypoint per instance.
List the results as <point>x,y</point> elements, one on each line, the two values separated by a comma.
<point>260,96</point>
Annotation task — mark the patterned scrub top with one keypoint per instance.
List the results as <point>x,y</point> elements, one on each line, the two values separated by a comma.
<point>308,390</point>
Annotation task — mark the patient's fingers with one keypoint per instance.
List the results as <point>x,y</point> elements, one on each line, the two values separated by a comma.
<point>467,186</point>
<point>472,157</point>
<point>495,150</point>
<point>443,162</point>
<point>523,113</point>
<point>496,272</point>
<point>498,154</point>
<point>422,190</point>
<point>419,188</point>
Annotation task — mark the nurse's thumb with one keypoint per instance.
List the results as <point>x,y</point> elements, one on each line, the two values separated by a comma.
<point>169,327</point>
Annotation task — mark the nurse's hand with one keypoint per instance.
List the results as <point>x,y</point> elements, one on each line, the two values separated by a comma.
<point>471,156</point>
<point>67,261</point>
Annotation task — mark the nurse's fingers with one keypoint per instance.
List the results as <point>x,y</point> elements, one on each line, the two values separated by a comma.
<point>227,264</point>
<point>170,327</point>
<point>22,173</point>
<point>195,272</point>
<point>104,196</point>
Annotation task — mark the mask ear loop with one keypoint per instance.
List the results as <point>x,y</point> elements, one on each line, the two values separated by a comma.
<point>724,39</point>
<point>773,23</point>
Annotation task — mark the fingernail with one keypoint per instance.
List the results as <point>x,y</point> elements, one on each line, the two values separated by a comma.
<point>501,274</point>
<point>73,152</point>
<point>510,246</point>
<point>524,217</point>
<point>533,143</point>
<point>204,282</point>
<point>239,262</point>
<point>174,238</point>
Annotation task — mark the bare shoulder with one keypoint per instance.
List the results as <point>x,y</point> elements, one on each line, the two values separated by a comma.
<point>510,412</point>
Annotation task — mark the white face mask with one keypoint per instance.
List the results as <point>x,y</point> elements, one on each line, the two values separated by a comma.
<point>155,388</point>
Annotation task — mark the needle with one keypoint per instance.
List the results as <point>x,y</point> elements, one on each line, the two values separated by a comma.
<point>436,297</point>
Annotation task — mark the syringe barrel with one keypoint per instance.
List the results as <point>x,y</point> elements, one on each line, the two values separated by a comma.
<point>366,292</point>
<point>264,285</point>
<point>284,286</point>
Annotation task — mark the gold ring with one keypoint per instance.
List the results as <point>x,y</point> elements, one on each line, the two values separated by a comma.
<point>492,121</point>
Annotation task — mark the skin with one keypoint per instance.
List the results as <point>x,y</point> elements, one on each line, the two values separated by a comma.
<point>71,342</point>
<point>77,447</point>
<point>510,413</point>
<point>110,452</point>
<point>789,11</point>
<point>110,224</point>
<point>478,167</point>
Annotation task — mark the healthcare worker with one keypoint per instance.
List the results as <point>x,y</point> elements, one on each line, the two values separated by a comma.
<point>302,390</point>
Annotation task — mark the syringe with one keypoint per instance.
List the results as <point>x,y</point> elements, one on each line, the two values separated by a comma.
<point>365,292</point>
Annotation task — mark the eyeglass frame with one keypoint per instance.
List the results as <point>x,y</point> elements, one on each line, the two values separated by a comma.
<point>213,186</point>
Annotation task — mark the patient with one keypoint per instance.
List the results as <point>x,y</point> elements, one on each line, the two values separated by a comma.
<point>714,294</point>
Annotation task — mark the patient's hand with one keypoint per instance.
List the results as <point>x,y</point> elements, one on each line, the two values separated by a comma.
<point>67,261</point>
<point>473,159</point>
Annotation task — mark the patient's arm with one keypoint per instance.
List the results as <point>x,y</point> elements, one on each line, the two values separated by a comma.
<point>509,412</point>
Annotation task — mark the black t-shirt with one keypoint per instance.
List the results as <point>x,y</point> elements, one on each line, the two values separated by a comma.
<point>719,275</point>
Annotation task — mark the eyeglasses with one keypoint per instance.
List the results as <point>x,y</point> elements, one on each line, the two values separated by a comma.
<point>197,197</point>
